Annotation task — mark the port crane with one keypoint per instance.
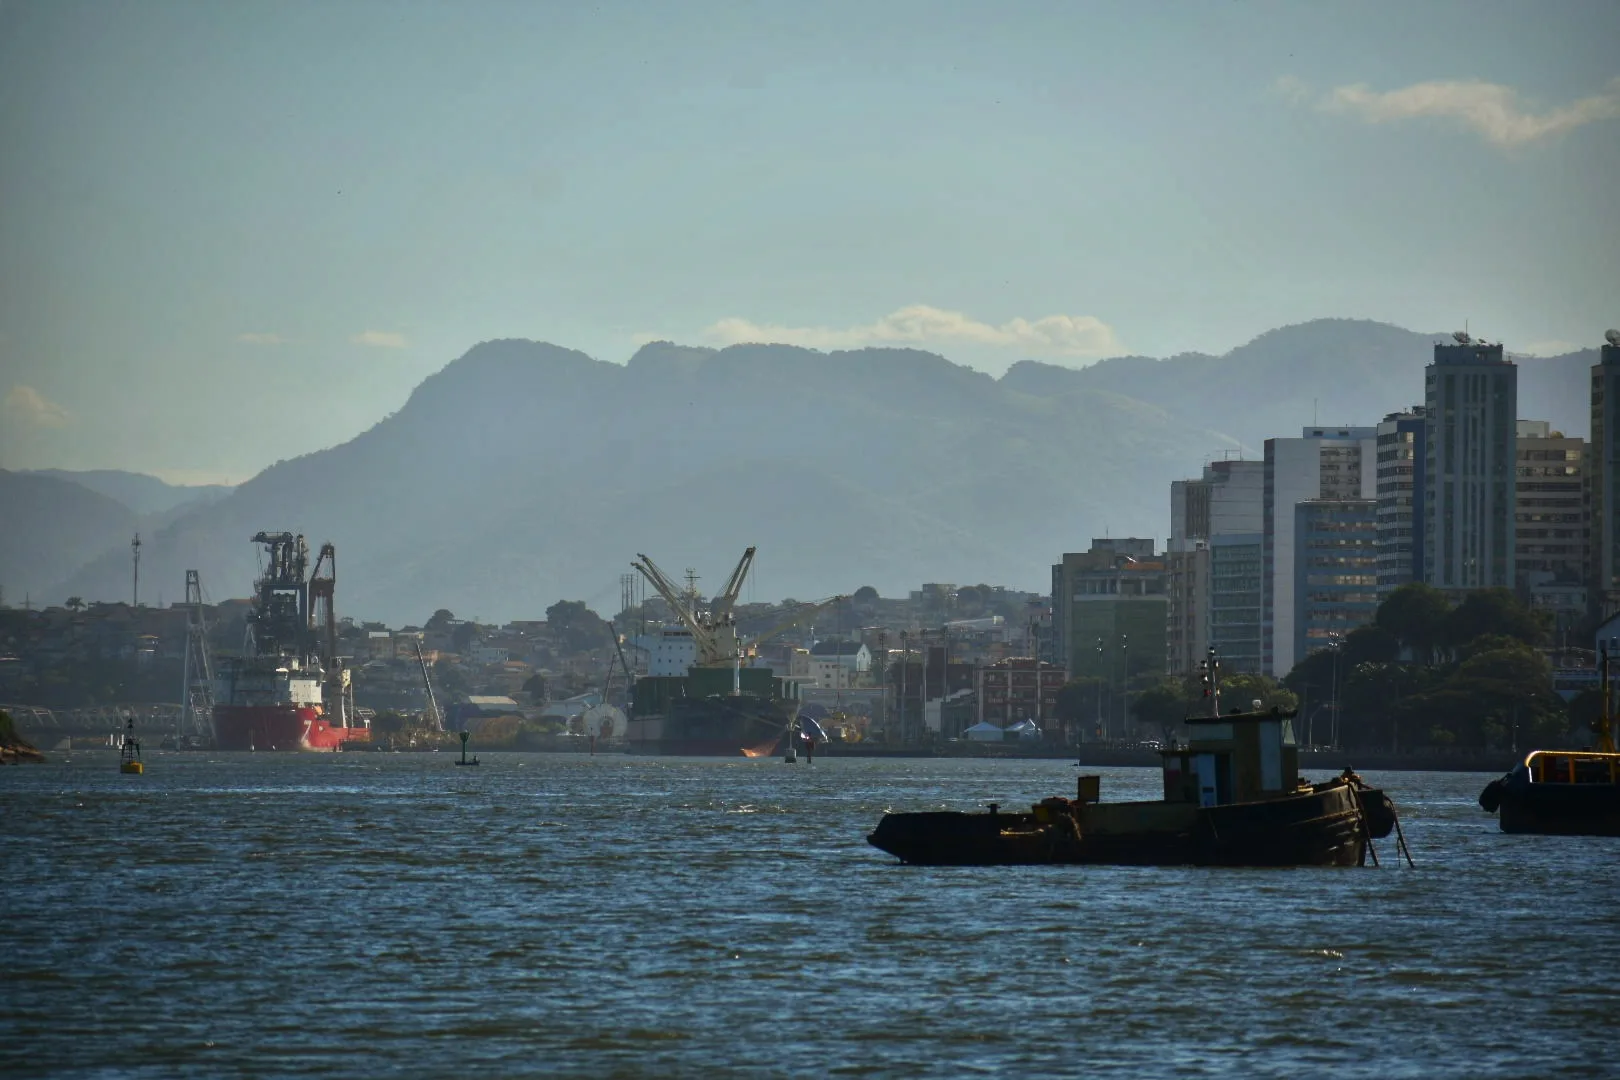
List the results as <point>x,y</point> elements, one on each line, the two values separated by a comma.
<point>800,613</point>
<point>197,674</point>
<point>714,629</point>
<point>434,718</point>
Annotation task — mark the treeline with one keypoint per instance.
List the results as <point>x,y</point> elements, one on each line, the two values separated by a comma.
<point>1427,673</point>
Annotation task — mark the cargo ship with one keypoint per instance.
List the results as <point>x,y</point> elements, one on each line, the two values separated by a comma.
<point>703,694</point>
<point>288,690</point>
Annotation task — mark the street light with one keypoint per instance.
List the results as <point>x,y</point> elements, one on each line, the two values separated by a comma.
<point>1125,683</point>
<point>1100,670</point>
<point>1334,641</point>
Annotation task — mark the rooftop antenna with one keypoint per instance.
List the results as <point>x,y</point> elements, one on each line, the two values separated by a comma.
<point>135,558</point>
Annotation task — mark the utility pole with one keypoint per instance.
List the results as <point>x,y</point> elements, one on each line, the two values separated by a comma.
<point>1100,683</point>
<point>135,557</point>
<point>1125,684</point>
<point>1333,643</point>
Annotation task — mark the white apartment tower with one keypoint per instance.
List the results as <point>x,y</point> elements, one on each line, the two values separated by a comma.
<point>1323,463</point>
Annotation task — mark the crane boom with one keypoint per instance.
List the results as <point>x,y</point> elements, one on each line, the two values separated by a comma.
<point>727,598</point>
<point>427,680</point>
<point>800,613</point>
<point>655,577</point>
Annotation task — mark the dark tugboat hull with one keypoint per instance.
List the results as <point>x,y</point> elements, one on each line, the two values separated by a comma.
<point>1561,810</point>
<point>1323,827</point>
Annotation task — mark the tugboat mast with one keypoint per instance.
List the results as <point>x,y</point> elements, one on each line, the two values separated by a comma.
<point>1211,668</point>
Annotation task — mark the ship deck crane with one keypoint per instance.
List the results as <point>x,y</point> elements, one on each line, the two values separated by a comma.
<point>726,599</point>
<point>800,613</point>
<point>714,648</point>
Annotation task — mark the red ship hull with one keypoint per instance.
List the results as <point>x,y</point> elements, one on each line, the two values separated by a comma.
<point>279,727</point>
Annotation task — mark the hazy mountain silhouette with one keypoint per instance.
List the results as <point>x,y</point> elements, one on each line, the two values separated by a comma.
<point>144,495</point>
<point>523,473</point>
<point>49,528</point>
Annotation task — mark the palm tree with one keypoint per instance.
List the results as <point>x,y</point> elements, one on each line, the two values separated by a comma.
<point>74,603</point>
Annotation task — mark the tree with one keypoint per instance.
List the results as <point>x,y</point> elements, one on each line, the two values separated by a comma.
<point>1079,701</point>
<point>462,637</point>
<point>578,627</point>
<point>1162,706</point>
<point>74,603</point>
<point>1242,690</point>
<point>440,620</point>
<point>535,687</point>
<point>1416,615</point>
<point>866,595</point>
<point>1496,612</point>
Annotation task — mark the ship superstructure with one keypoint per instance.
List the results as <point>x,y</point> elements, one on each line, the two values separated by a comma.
<point>288,690</point>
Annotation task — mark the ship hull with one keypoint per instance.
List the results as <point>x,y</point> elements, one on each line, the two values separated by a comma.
<point>1324,827</point>
<point>279,728</point>
<point>1561,809</point>
<point>711,727</point>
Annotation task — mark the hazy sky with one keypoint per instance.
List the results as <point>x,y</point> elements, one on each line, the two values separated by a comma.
<point>237,232</point>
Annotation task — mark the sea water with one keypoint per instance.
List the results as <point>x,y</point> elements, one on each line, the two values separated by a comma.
<point>371,914</point>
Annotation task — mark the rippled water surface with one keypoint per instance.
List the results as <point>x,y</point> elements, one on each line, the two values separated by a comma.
<point>391,914</point>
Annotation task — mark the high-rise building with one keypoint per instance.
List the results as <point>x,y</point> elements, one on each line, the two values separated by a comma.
<point>1552,534</point>
<point>1400,499</point>
<point>1603,467</point>
<point>1205,515</point>
<point>1323,463</point>
<point>1110,615</point>
<point>1471,397</point>
<point>1335,569</point>
<point>1236,600</point>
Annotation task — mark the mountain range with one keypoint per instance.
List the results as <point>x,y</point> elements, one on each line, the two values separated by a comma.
<point>523,472</point>
<point>55,521</point>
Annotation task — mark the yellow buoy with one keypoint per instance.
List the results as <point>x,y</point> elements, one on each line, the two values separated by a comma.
<point>129,755</point>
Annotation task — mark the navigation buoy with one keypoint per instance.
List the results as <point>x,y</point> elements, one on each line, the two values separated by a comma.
<point>129,755</point>
<point>464,760</point>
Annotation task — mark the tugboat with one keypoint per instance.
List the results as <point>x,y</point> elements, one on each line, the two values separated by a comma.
<point>129,753</point>
<point>1563,792</point>
<point>1232,797</point>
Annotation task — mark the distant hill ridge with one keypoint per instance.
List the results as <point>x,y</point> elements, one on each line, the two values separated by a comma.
<point>524,472</point>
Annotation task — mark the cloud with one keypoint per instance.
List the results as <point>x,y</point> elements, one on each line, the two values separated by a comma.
<point>380,339</point>
<point>1294,89</point>
<point>28,407</point>
<point>252,338</point>
<point>1493,111</point>
<point>919,324</point>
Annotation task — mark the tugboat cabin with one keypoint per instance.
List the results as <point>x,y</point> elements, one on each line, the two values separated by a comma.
<point>1237,758</point>
<point>1572,767</point>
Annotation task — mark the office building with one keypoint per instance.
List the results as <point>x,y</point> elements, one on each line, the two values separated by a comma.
<point>1236,600</point>
<point>1552,534</point>
<point>1400,444</point>
<point>1603,469</point>
<point>1110,612</point>
<point>1211,520</point>
<point>1323,463</point>
<point>1471,397</point>
<point>1335,570</point>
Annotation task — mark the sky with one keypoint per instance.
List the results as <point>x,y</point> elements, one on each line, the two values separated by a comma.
<point>236,233</point>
